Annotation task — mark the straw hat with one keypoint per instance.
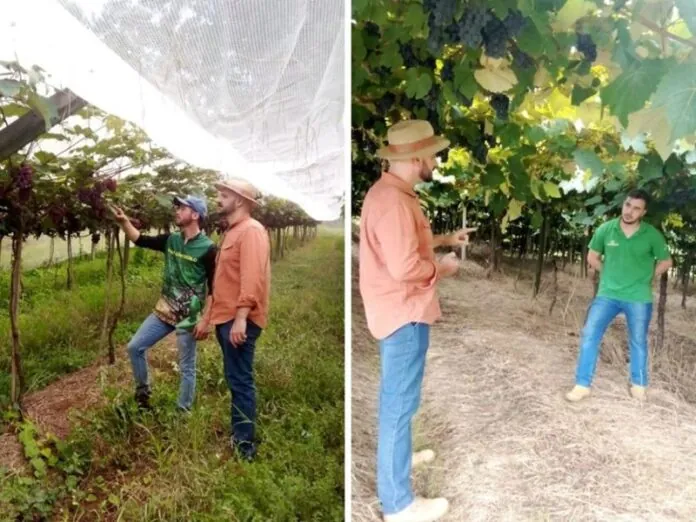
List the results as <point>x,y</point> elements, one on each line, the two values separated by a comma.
<point>412,139</point>
<point>241,188</point>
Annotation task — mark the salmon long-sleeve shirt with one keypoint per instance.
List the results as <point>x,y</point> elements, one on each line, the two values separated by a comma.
<point>242,274</point>
<point>398,272</point>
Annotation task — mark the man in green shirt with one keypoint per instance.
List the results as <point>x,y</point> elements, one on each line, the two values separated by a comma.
<point>189,265</point>
<point>629,254</point>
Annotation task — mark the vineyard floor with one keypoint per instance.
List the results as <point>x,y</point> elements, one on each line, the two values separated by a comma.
<point>165,466</point>
<point>509,448</point>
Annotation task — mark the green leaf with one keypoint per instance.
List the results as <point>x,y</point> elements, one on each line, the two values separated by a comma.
<point>537,219</point>
<point>552,190</point>
<point>641,81</point>
<point>501,7</point>
<point>580,94</point>
<point>650,167</point>
<point>673,165</point>
<point>113,499</point>
<point>687,10</point>
<point>510,135</point>
<point>677,94</point>
<point>514,209</point>
<point>359,7</point>
<point>10,88</point>
<point>464,80</point>
<point>493,176</point>
<point>588,160</point>
<point>39,467</point>
<point>571,12</point>
<point>593,200</point>
<point>46,108</point>
<point>535,134</point>
<point>415,18</point>
<point>391,57</point>
<point>418,83</point>
<point>358,49</point>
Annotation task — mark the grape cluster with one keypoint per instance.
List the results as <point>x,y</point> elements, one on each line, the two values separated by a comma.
<point>407,54</point>
<point>514,23</point>
<point>372,29</point>
<point>57,213</point>
<point>471,25</point>
<point>522,60</point>
<point>442,11</point>
<point>385,102</point>
<point>94,197</point>
<point>447,72</point>
<point>24,177</point>
<point>495,37</point>
<point>111,185</point>
<point>586,46</point>
<point>480,151</point>
<point>501,105</point>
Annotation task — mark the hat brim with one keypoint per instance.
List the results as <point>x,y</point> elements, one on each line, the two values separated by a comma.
<point>222,186</point>
<point>178,201</point>
<point>431,150</point>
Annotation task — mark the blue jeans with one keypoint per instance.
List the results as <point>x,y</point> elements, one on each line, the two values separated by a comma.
<point>602,312</point>
<point>150,333</point>
<point>238,362</point>
<point>402,368</point>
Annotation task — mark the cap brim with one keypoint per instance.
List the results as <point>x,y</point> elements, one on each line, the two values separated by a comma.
<point>178,201</point>
<point>439,145</point>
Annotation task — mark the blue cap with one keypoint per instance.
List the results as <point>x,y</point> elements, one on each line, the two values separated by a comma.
<point>195,203</point>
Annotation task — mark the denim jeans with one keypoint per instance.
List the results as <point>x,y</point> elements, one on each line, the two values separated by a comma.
<point>238,364</point>
<point>150,333</point>
<point>602,312</point>
<point>402,368</point>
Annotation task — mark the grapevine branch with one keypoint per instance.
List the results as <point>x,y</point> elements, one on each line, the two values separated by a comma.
<point>665,33</point>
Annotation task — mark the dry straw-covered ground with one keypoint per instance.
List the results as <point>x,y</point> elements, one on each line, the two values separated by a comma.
<point>509,447</point>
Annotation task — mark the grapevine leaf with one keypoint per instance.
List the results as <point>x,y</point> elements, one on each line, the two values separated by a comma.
<point>10,88</point>
<point>418,83</point>
<point>687,10</point>
<point>641,81</point>
<point>535,134</point>
<point>358,7</point>
<point>677,95</point>
<point>571,12</point>
<point>552,190</point>
<point>464,80</point>
<point>537,219</point>
<point>45,107</point>
<point>655,121</point>
<point>530,41</point>
<point>391,57</point>
<point>515,209</point>
<point>358,50</point>
<point>493,176</point>
<point>496,80</point>
<point>39,466</point>
<point>415,18</point>
<point>650,168</point>
<point>588,160</point>
<point>593,200</point>
<point>580,94</point>
<point>636,143</point>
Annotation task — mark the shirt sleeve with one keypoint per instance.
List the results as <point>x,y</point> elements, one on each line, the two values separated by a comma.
<point>209,264</point>
<point>397,234</point>
<point>659,247</point>
<point>254,252</point>
<point>597,241</point>
<point>158,242</point>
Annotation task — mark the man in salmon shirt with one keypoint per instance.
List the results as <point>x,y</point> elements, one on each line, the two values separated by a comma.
<point>398,278</point>
<point>239,305</point>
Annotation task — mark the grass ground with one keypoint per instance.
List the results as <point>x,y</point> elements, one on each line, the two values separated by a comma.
<point>118,464</point>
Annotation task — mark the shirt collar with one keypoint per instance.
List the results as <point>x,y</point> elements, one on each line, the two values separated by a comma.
<point>395,181</point>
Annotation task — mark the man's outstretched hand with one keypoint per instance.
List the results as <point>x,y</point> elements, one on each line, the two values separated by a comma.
<point>461,237</point>
<point>448,265</point>
<point>118,214</point>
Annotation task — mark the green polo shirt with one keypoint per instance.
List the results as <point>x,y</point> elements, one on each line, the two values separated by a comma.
<point>629,262</point>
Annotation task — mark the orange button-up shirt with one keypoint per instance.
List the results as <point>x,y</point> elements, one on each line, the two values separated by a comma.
<point>242,274</point>
<point>398,272</point>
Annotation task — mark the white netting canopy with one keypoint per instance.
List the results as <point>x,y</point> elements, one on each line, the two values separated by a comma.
<point>252,88</point>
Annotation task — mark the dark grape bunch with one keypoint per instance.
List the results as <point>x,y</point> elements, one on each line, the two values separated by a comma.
<point>372,29</point>
<point>480,152</point>
<point>586,46</point>
<point>495,37</point>
<point>514,23</point>
<point>500,104</point>
<point>385,102</point>
<point>24,177</point>
<point>447,73</point>
<point>407,54</point>
<point>111,185</point>
<point>522,60</point>
<point>471,25</point>
<point>57,214</point>
<point>443,11</point>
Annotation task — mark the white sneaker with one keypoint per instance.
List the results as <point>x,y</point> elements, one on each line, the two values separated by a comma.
<point>422,457</point>
<point>421,510</point>
<point>578,393</point>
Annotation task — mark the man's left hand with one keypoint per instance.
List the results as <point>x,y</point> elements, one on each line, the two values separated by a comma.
<point>460,238</point>
<point>238,332</point>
